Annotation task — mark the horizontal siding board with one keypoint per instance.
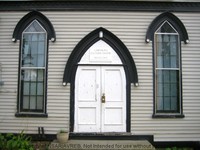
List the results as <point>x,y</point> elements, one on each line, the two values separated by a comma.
<point>130,27</point>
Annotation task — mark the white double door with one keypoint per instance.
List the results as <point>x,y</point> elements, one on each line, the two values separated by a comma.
<point>100,99</point>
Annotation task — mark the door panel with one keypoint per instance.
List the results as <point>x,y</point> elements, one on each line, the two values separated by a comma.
<point>86,88</point>
<point>91,115</point>
<point>87,100</point>
<point>115,119</point>
<point>112,84</point>
<point>114,109</point>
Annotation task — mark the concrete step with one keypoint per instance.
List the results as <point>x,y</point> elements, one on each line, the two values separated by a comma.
<point>102,145</point>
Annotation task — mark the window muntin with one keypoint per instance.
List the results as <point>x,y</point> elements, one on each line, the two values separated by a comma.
<point>167,69</point>
<point>33,68</point>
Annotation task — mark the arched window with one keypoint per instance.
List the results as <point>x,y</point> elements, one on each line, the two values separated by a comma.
<point>33,30</point>
<point>166,33</point>
<point>167,69</point>
<point>33,68</point>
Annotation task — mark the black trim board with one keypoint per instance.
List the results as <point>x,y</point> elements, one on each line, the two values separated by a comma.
<point>112,136</point>
<point>76,55</point>
<point>172,19</point>
<point>31,115</point>
<point>17,35</point>
<point>180,28</point>
<point>27,19</point>
<point>167,116</point>
<point>93,136</point>
<point>99,6</point>
<point>50,137</point>
<point>89,40</point>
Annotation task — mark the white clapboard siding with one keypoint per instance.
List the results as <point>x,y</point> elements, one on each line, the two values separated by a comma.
<point>185,129</point>
<point>130,27</point>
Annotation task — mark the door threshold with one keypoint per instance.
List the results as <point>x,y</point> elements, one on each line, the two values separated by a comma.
<point>109,136</point>
<point>101,133</point>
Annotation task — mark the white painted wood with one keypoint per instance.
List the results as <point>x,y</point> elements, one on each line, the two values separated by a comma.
<point>87,99</point>
<point>93,82</point>
<point>114,108</point>
<point>130,27</point>
<point>91,114</point>
<point>100,53</point>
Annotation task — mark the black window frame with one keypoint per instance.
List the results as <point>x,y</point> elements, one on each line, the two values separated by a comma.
<point>170,111</point>
<point>179,27</point>
<point>18,35</point>
<point>30,70</point>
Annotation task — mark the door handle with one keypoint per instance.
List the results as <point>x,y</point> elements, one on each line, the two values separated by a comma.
<point>103,98</point>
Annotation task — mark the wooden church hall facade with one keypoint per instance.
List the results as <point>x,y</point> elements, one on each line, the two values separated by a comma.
<point>98,68</point>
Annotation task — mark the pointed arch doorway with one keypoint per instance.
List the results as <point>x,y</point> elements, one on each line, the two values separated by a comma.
<point>100,70</point>
<point>100,91</point>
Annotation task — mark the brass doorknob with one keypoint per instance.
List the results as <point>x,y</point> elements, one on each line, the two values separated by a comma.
<point>103,98</point>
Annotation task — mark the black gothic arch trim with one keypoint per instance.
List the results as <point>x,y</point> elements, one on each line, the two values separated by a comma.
<point>27,19</point>
<point>79,51</point>
<point>89,40</point>
<point>172,19</point>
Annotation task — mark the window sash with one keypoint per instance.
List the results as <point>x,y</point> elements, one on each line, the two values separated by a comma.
<point>167,92</point>
<point>32,89</point>
<point>33,50</point>
<point>32,93</point>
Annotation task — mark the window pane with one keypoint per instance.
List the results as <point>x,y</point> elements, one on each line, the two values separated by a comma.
<point>174,90</point>
<point>174,45</point>
<point>26,54</point>
<point>174,76</point>
<point>173,62</point>
<point>166,90</point>
<point>160,103</point>
<point>34,27</point>
<point>40,61</point>
<point>33,88</point>
<point>167,103</point>
<point>40,102</point>
<point>160,76</point>
<point>42,37</point>
<point>160,62</point>
<point>166,28</point>
<point>29,75</point>
<point>40,75</point>
<point>25,102</point>
<point>34,60</point>
<point>40,88</point>
<point>174,104</point>
<point>34,40</point>
<point>166,76</point>
<point>166,61</point>
<point>41,47</point>
<point>26,88</point>
<point>34,47</point>
<point>160,89</point>
<point>26,48</point>
<point>33,102</point>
